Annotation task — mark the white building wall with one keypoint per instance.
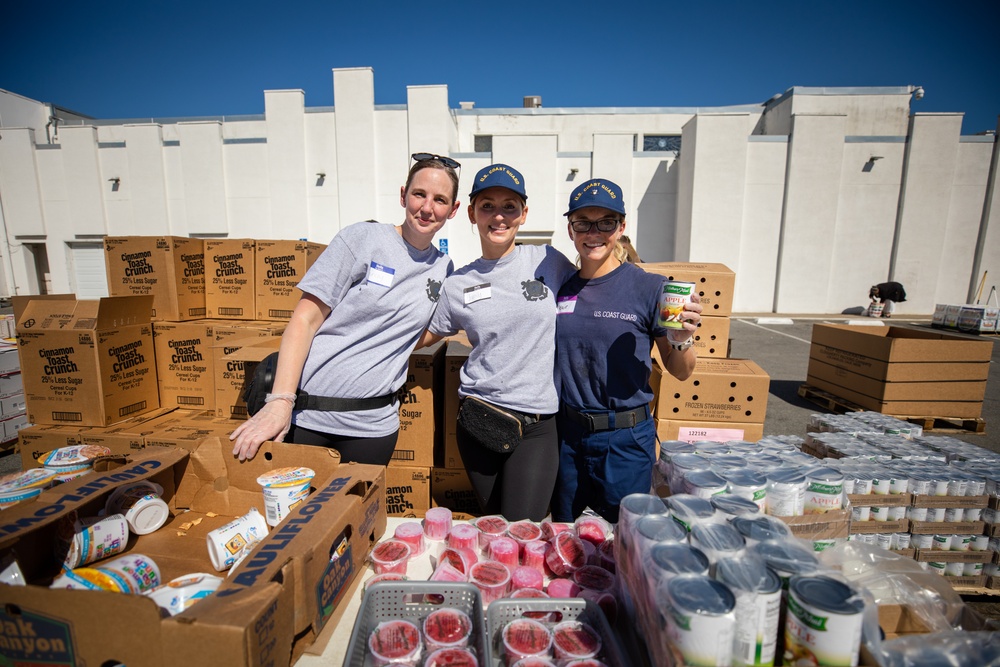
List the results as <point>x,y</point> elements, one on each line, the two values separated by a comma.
<point>761,225</point>
<point>809,221</point>
<point>784,198</point>
<point>929,174</point>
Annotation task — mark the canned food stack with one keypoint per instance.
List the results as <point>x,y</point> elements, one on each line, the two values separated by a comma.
<point>926,498</point>
<point>719,587</point>
<point>775,475</point>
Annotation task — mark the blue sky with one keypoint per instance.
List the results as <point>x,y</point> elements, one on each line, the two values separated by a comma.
<point>137,59</point>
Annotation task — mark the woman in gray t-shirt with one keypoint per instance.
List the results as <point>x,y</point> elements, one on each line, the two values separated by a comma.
<point>505,302</point>
<point>365,304</point>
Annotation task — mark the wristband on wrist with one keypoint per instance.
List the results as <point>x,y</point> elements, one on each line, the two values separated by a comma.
<point>681,347</point>
<point>280,397</point>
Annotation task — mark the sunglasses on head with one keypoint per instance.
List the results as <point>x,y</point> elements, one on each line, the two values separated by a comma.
<point>603,225</point>
<point>446,161</point>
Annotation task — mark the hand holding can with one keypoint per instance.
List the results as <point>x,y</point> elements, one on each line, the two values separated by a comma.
<point>674,295</point>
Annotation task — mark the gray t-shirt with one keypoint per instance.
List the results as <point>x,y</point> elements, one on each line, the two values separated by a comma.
<point>382,292</point>
<point>507,307</point>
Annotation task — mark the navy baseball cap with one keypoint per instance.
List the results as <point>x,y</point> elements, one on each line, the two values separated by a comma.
<point>499,176</point>
<point>597,192</point>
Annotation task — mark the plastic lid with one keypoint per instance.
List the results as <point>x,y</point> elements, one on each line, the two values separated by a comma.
<point>147,515</point>
<point>72,455</point>
<point>37,478</point>
<point>703,479</point>
<point>670,448</point>
<point>690,462</point>
<point>727,461</point>
<point>641,504</point>
<point>824,474</point>
<point>827,594</point>
<point>288,476</point>
<point>701,595</point>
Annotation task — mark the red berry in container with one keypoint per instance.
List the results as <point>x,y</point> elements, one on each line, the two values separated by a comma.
<point>525,638</point>
<point>575,640</point>
<point>395,641</point>
<point>567,555</point>
<point>447,628</point>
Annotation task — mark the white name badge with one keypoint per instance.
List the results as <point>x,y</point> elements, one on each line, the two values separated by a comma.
<point>565,305</point>
<point>477,293</point>
<point>380,274</point>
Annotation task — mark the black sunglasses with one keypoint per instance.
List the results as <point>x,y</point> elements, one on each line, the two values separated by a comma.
<point>603,225</point>
<point>446,161</point>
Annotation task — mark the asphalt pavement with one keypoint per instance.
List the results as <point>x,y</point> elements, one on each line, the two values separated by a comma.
<point>780,345</point>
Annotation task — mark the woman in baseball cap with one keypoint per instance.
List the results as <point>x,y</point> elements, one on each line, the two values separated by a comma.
<point>505,302</point>
<point>608,320</point>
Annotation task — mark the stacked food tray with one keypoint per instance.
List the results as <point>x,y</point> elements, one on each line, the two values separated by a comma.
<point>413,601</point>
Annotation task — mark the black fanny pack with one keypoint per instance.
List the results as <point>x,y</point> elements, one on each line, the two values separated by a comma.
<point>497,429</point>
<point>263,380</point>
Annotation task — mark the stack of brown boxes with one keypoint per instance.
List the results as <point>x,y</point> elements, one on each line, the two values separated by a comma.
<point>901,371</point>
<point>725,399</point>
<point>184,305</point>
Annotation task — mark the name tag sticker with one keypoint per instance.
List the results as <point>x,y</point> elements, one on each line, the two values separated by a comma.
<point>379,274</point>
<point>565,305</point>
<point>477,293</point>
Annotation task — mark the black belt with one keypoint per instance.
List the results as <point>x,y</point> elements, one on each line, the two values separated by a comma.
<point>304,401</point>
<point>601,421</point>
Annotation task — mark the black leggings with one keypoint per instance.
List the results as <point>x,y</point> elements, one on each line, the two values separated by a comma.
<point>517,485</point>
<point>376,451</point>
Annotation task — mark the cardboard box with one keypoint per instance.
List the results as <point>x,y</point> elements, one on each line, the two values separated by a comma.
<point>867,527</point>
<point>230,287</point>
<point>36,439</point>
<point>711,340</point>
<point>280,265</point>
<point>418,406</point>
<point>185,364</point>
<point>978,319</point>
<point>129,436</point>
<point>11,406</point>
<point>716,283</point>
<point>171,269</point>
<point>233,361</point>
<point>451,488</point>
<point>719,390</point>
<point>9,362</point>
<point>229,330</point>
<point>693,431</point>
<point>901,371</point>
<point>455,356</point>
<point>277,600</point>
<point>407,491</point>
<point>12,426</point>
<point>828,526</point>
<point>88,363</point>
<point>11,385</point>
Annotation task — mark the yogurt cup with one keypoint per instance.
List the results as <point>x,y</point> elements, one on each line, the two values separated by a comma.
<point>490,527</point>
<point>284,489</point>
<point>228,543</point>
<point>491,578</point>
<point>74,455</point>
<point>411,532</point>
<point>437,523</point>
<point>178,594</point>
<point>83,541</point>
<point>141,505</point>
<point>452,657</point>
<point>139,572</point>
<point>90,579</point>
<point>19,486</point>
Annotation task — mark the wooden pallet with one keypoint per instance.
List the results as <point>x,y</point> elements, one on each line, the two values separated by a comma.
<point>839,405</point>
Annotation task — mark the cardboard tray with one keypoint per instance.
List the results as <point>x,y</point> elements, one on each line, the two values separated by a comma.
<point>412,601</point>
<point>504,611</point>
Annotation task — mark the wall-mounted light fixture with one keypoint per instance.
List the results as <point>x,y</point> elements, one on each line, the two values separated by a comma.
<point>115,183</point>
<point>572,173</point>
<point>871,163</point>
<point>320,178</point>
